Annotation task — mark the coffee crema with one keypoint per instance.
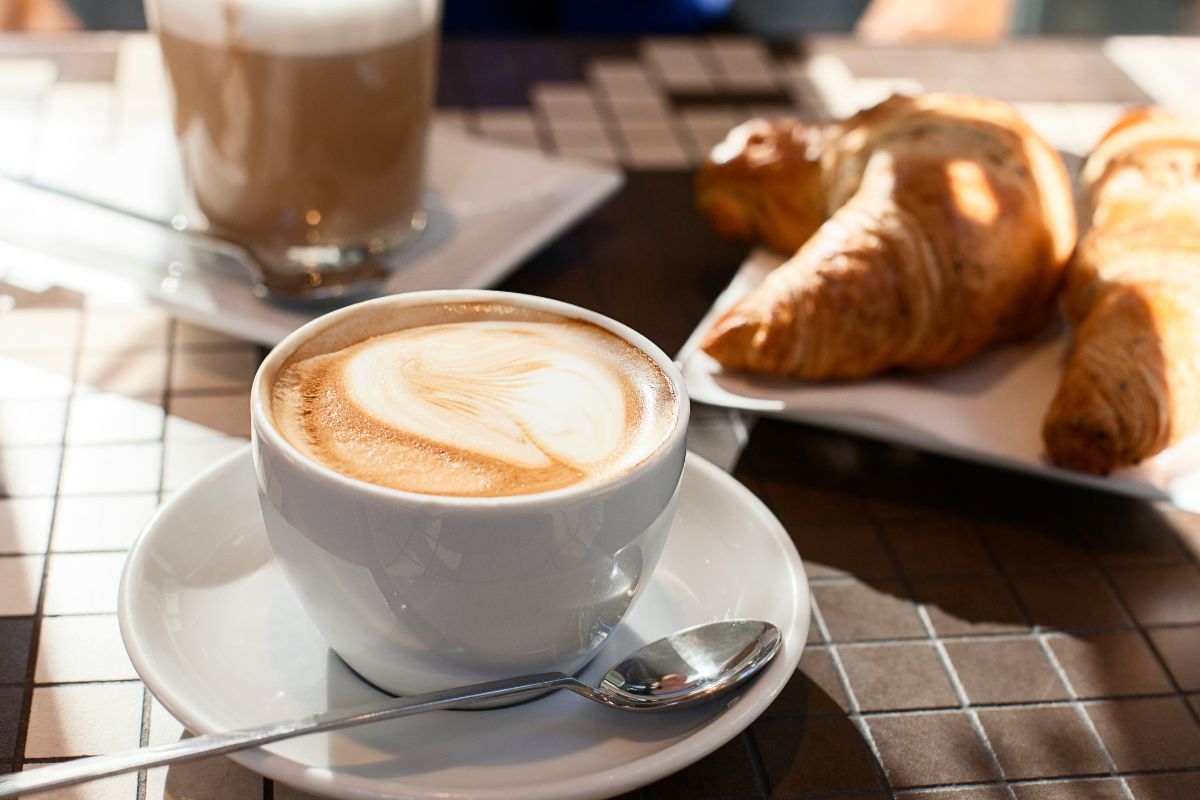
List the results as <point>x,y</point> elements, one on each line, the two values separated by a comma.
<point>473,400</point>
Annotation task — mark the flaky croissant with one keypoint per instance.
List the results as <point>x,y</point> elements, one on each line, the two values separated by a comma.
<point>1131,386</point>
<point>927,228</point>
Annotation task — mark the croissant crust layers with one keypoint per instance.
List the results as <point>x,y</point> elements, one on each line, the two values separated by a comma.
<point>931,228</point>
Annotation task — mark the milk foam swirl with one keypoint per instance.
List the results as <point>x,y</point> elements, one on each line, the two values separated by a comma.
<point>480,407</point>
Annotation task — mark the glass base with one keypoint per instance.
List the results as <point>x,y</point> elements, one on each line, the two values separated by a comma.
<point>303,274</point>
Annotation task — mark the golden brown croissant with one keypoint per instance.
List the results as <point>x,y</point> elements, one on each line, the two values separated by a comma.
<point>1131,386</point>
<point>928,227</point>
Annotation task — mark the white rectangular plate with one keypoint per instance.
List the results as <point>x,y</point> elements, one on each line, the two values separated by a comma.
<point>989,410</point>
<point>491,206</point>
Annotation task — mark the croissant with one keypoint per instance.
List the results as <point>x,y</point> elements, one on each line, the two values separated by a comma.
<point>923,229</point>
<point>1131,385</point>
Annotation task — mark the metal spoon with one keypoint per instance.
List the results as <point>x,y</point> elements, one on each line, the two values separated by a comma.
<point>685,668</point>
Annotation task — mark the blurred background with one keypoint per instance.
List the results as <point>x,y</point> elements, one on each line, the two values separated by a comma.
<point>872,20</point>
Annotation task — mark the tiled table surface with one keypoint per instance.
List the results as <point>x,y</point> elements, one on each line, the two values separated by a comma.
<point>977,635</point>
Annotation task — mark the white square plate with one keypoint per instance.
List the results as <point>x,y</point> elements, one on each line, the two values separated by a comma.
<point>989,410</point>
<point>491,205</point>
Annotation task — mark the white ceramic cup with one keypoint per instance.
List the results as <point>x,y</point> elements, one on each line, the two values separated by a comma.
<point>423,592</point>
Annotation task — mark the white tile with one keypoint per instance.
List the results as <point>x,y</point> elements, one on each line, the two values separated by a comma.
<point>620,78</point>
<point>101,522</point>
<point>186,459</point>
<point>640,109</point>
<point>38,328</point>
<point>35,374</point>
<point>84,720</point>
<point>565,102</point>
<point>29,470</point>
<point>99,418</point>
<point>27,77</point>
<point>678,64</point>
<point>118,787</point>
<point>210,779</point>
<point>133,374</point>
<point>665,157</point>
<point>217,370</point>
<point>604,154</point>
<point>20,577</point>
<point>581,136</point>
<point>101,469</point>
<point>454,118</point>
<point>78,111</point>
<point>164,728</point>
<point>83,583</point>
<point>25,524</point>
<point>205,416</point>
<point>125,328</point>
<point>78,649</point>
<point>18,127</point>
<point>32,421</point>
<point>745,64</point>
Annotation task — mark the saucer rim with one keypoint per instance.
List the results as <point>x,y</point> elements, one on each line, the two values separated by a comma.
<point>610,781</point>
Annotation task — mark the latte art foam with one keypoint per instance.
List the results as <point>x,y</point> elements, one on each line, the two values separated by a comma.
<point>504,402</point>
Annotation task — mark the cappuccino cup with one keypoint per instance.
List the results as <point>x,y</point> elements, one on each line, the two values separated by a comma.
<point>302,128</point>
<point>463,486</point>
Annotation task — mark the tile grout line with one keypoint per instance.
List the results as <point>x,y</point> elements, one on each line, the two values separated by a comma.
<point>35,637</point>
<point>939,647</point>
<point>1041,637</point>
<point>165,399</point>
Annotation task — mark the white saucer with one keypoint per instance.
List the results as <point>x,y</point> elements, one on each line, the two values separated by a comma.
<point>218,637</point>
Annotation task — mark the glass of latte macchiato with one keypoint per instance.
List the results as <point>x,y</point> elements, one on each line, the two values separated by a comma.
<point>467,485</point>
<point>302,127</point>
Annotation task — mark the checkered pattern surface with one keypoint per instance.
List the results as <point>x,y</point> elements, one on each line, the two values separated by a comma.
<point>952,655</point>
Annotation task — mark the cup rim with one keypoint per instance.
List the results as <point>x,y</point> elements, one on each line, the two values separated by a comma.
<point>263,423</point>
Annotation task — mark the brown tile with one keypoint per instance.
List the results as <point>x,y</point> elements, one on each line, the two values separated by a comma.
<point>1020,548</point>
<point>1157,733</point>
<point>976,793</point>
<point>1180,648</point>
<point>1005,671</point>
<point>1042,742</point>
<point>980,604</point>
<point>858,611</point>
<point>1126,531</point>
<point>205,415</point>
<point>11,705</point>
<point>1070,601</point>
<point>1110,664</point>
<point>824,754</point>
<point>815,689</point>
<point>895,677</point>
<point>1178,786</point>
<point>230,369</point>
<point>728,772</point>
<point>1099,789</point>
<point>1161,595</point>
<point>833,533</point>
<point>15,635</point>
<point>928,542</point>
<point>931,749</point>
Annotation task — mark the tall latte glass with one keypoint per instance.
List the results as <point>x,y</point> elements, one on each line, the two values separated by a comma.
<point>302,126</point>
<point>463,486</point>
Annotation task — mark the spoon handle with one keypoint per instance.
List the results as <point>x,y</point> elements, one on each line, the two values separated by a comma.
<point>81,770</point>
